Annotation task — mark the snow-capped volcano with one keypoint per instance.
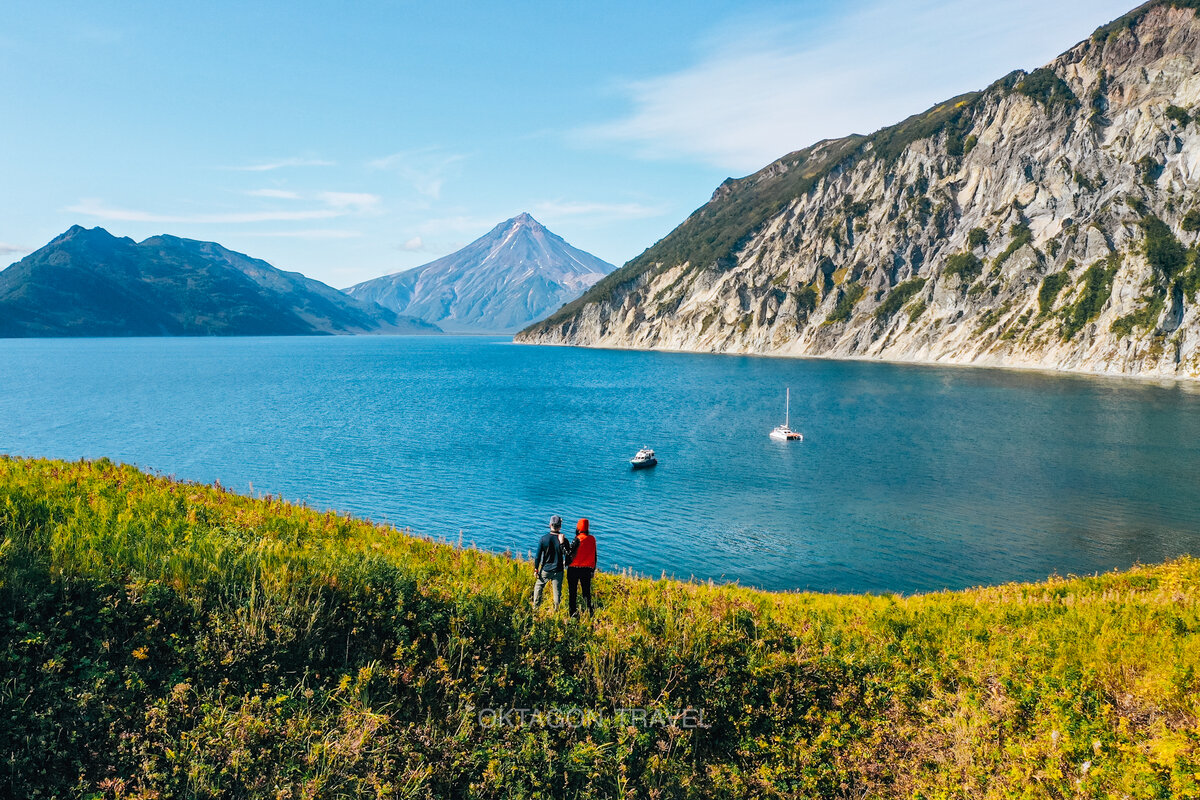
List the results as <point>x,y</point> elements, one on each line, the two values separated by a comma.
<point>516,274</point>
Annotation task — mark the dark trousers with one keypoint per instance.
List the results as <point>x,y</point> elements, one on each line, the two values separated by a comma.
<point>576,577</point>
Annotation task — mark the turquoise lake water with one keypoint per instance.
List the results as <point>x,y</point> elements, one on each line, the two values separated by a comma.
<point>909,479</point>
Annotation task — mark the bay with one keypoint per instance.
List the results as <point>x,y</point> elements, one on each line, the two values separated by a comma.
<point>909,479</point>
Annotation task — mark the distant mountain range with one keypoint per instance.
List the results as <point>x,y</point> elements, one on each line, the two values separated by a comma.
<point>516,274</point>
<point>88,282</point>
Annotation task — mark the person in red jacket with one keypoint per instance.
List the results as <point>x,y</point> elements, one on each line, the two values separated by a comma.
<point>582,566</point>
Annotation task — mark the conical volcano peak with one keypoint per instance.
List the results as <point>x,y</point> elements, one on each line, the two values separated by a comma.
<point>516,273</point>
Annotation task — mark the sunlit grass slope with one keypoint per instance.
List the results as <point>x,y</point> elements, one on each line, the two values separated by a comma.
<point>160,639</point>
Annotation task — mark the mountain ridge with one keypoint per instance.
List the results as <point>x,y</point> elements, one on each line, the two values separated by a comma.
<point>858,247</point>
<point>87,282</point>
<point>516,273</point>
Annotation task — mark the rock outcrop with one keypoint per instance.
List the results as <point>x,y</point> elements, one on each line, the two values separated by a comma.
<point>1048,221</point>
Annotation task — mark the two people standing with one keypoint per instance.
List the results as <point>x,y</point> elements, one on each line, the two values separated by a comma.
<point>556,555</point>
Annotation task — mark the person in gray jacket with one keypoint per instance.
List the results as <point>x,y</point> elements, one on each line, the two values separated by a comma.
<point>553,553</point>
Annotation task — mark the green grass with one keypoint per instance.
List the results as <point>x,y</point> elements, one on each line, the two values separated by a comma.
<point>163,639</point>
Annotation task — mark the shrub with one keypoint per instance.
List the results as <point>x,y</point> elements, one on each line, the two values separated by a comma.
<point>1179,115</point>
<point>160,639</point>
<point>1150,170</point>
<point>806,299</point>
<point>1051,286</point>
<point>1021,236</point>
<point>1191,221</point>
<point>1164,252</point>
<point>918,308</point>
<point>978,237</point>
<point>966,266</point>
<point>850,294</point>
<point>896,298</point>
<point>969,143</point>
<point>857,208</point>
<point>1098,101</point>
<point>1044,86</point>
<point>1096,289</point>
<point>1144,317</point>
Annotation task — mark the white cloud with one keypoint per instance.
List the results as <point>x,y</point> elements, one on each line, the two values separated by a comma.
<point>279,194</point>
<point>560,209</point>
<point>356,201</point>
<point>95,208</point>
<point>783,84</point>
<point>315,233</point>
<point>335,204</point>
<point>414,245</point>
<point>458,225</point>
<point>267,166</point>
<point>7,249</point>
<point>426,169</point>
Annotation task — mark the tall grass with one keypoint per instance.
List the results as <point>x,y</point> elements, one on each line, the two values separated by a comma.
<point>164,639</point>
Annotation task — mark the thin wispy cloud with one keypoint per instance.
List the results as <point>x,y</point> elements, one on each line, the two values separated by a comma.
<point>414,245</point>
<point>315,233</point>
<point>355,201</point>
<point>425,169</point>
<point>267,166</point>
<point>776,88</point>
<point>278,194</point>
<point>335,204</point>
<point>7,249</point>
<point>562,209</point>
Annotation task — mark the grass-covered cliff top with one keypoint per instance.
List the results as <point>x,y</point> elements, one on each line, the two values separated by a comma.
<point>161,639</point>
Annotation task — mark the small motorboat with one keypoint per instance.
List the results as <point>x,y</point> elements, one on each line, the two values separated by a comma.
<point>783,433</point>
<point>644,458</point>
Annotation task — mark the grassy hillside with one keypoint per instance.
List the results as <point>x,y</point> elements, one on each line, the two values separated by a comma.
<point>160,639</point>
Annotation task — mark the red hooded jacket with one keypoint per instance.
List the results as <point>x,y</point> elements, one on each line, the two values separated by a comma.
<point>585,546</point>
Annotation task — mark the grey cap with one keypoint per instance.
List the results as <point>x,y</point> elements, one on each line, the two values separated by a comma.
<point>556,521</point>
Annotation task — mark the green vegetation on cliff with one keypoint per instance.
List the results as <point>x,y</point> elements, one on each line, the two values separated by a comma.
<point>898,297</point>
<point>712,234</point>
<point>162,639</point>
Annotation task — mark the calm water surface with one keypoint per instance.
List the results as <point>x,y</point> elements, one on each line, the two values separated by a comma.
<point>909,478</point>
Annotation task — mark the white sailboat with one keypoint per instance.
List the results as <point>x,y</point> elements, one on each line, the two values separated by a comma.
<point>783,433</point>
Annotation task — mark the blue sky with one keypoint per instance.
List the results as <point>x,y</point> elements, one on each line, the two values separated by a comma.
<point>350,140</point>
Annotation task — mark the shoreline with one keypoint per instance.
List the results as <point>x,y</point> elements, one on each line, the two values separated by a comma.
<point>1181,381</point>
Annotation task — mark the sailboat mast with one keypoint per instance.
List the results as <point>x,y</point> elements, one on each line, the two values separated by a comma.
<point>787,409</point>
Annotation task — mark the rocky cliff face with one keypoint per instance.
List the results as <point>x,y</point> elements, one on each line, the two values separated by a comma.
<point>1049,221</point>
<point>515,274</point>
